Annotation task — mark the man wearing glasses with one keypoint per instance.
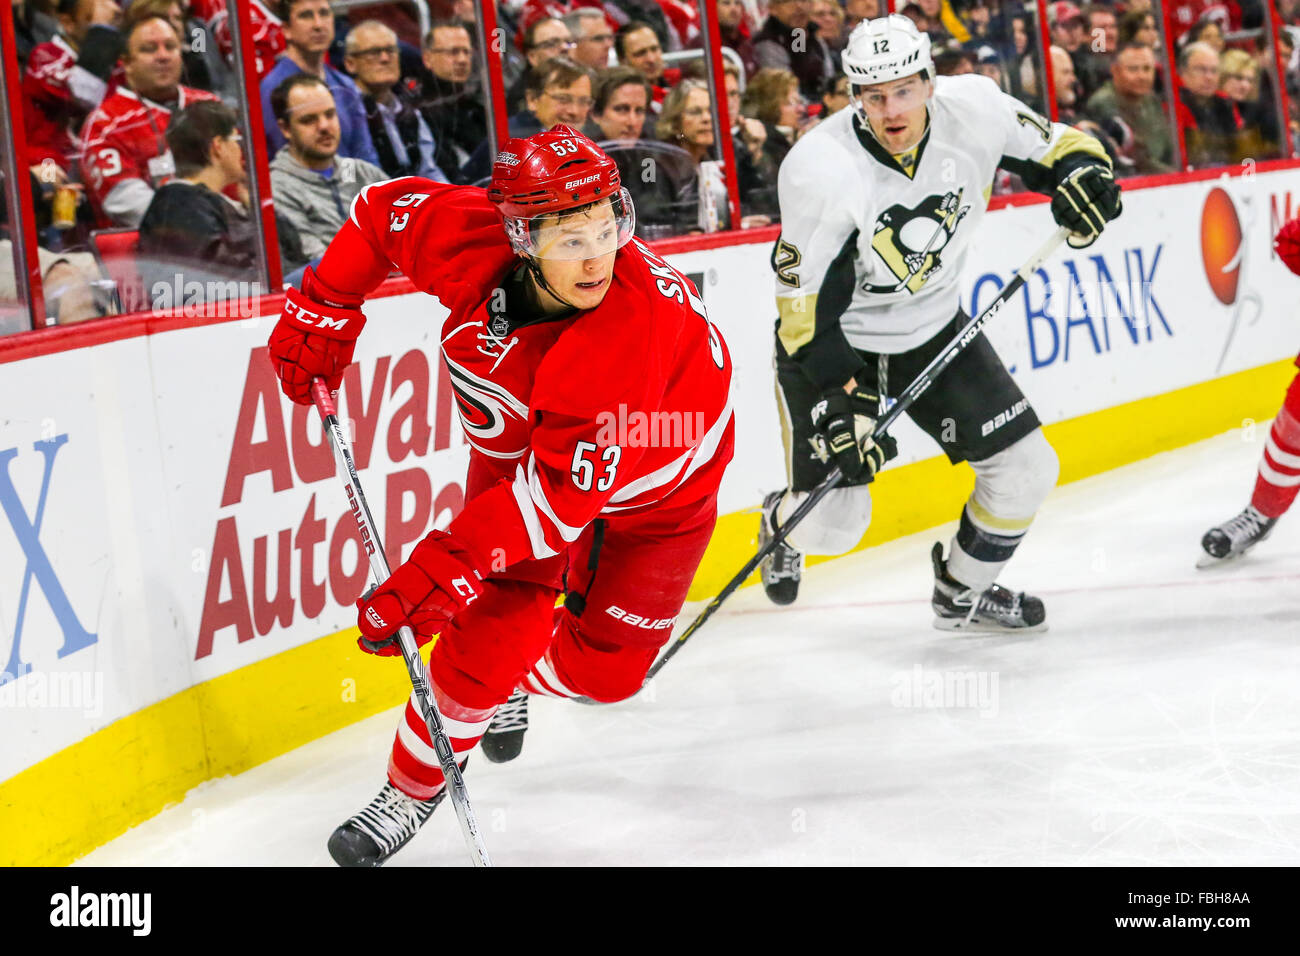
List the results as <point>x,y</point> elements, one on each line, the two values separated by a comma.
<point>401,136</point>
<point>454,112</point>
<point>1211,122</point>
<point>558,93</point>
<point>308,34</point>
<point>593,38</point>
<point>543,40</point>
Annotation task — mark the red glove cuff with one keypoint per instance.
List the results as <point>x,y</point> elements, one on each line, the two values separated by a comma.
<point>306,314</point>
<point>318,290</point>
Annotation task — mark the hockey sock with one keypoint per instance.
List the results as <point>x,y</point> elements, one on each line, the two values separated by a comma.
<point>1279,468</point>
<point>978,554</point>
<point>542,679</point>
<point>413,764</point>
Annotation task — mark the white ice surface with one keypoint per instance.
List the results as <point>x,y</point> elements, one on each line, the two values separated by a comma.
<point>1157,722</point>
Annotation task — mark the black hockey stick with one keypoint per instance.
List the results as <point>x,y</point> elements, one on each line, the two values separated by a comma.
<point>905,400</point>
<point>405,638</point>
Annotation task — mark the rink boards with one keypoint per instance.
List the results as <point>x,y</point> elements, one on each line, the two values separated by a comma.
<point>179,565</point>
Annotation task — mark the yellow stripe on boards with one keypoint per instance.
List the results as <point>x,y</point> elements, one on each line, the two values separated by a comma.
<point>91,792</point>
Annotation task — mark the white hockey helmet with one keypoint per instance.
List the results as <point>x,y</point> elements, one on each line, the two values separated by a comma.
<point>886,48</point>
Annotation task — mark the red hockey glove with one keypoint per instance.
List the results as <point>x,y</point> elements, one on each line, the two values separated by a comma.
<point>315,336</point>
<point>440,580</point>
<point>1287,245</point>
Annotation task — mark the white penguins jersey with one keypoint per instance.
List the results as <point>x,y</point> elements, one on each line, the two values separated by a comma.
<point>870,255</point>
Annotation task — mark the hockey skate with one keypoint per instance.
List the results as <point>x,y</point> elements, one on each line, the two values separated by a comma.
<point>782,569</point>
<point>1233,538</point>
<point>994,610</point>
<point>504,738</point>
<point>383,827</point>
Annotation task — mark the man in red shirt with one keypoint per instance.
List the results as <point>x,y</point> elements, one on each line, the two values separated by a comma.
<point>124,155</point>
<point>66,78</point>
<point>596,398</point>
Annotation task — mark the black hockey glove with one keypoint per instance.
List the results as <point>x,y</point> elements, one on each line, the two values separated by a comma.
<point>1085,201</point>
<point>846,421</point>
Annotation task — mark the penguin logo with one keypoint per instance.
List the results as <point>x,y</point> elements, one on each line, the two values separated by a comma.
<point>909,240</point>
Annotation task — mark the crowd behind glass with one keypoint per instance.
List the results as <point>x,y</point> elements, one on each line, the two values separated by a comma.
<point>132,136</point>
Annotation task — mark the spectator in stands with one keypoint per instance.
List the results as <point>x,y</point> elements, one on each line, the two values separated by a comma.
<point>1239,80</point>
<point>308,33</point>
<point>989,63</point>
<point>772,97</point>
<point>829,17</point>
<point>1138,26</point>
<point>637,46</point>
<point>1093,56</point>
<point>1020,56</point>
<point>855,11</point>
<point>953,62</point>
<point>734,30</point>
<point>1067,110</point>
<point>687,123</point>
<point>268,32</point>
<point>593,39</point>
<point>559,91</point>
<point>66,78</point>
<point>1069,31</point>
<point>312,184</point>
<point>32,27</point>
<point>978,20</point>
<point>194,65</point>
<point>124,155</point>
<point>191,227</point>
<point>543,40</point>
<point>836,95</point>
<point>1210,121</point>
<point>455,113</point>
<point>789,41</point>
<point>1102,28</point>
<point>401,136</point>
<point>1127,104</point>
<point>1067,86</point>
<point>622,101</point>
<point>1205,31</point>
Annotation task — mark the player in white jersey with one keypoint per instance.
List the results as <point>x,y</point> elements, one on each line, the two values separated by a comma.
<point>878,206</point>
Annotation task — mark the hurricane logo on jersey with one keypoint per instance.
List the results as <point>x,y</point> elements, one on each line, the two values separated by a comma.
<point>909,240</point>
<point>495,422</point>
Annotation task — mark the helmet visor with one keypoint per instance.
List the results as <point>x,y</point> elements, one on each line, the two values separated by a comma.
<point>588,232</point>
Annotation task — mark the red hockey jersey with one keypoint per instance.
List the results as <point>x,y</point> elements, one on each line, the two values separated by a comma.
<point>612,411</point>
<point>268,32</point>
<point>58,94</point>
<point>120,139</point>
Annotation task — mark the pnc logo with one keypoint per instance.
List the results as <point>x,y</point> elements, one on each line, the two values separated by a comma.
<point>1221,245</point>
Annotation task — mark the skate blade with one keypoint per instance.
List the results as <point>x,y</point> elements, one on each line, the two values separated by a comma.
<point>981,627</point>
<point>1207,561</point>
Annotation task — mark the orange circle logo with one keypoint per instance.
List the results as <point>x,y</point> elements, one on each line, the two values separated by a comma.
<point>1221,245</point>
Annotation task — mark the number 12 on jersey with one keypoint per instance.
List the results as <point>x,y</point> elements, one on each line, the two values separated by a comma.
<point>583,469</point>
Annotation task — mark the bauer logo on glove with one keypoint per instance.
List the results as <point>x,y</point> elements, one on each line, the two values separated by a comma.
<point>846,422</point>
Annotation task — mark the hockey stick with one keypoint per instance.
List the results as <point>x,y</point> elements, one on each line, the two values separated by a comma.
<point>405,638</point>
<point>909,395</point>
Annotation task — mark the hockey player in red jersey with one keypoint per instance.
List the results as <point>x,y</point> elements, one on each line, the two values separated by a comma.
<point>564,331</point>
<point>1278,478</point>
